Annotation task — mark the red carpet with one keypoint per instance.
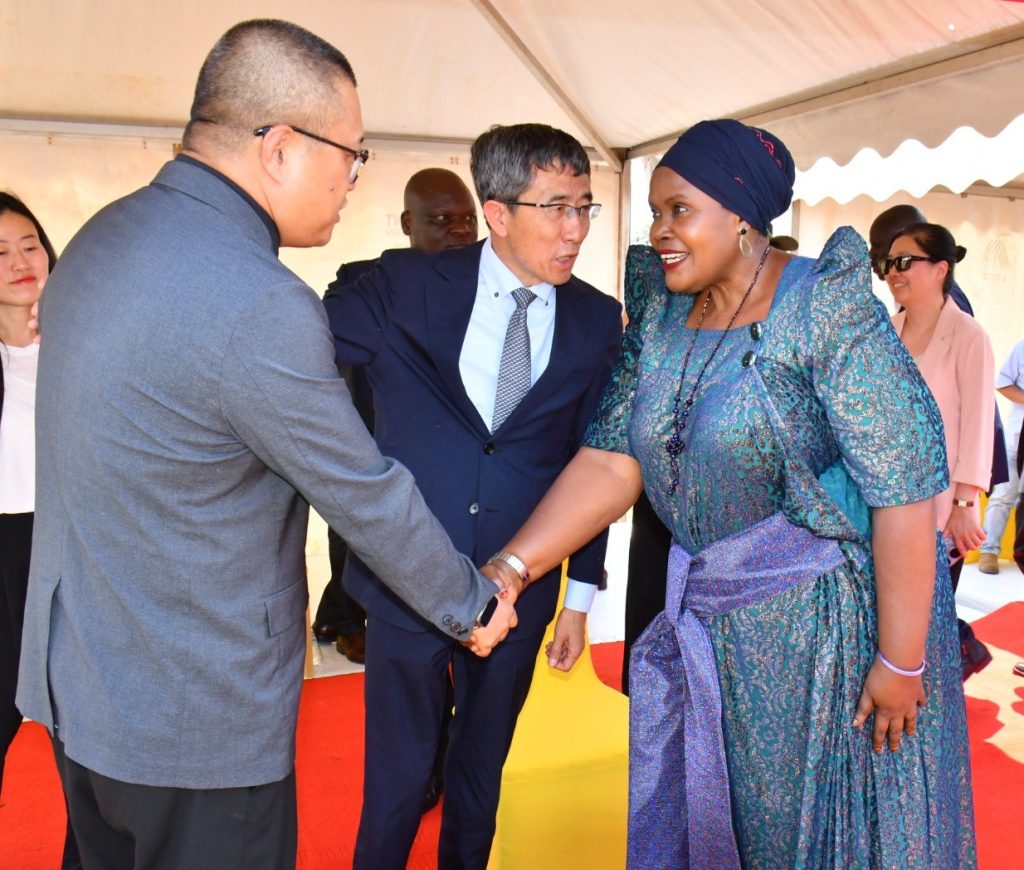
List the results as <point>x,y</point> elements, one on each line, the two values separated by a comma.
<point>995,719</point>
<point>329,768</point>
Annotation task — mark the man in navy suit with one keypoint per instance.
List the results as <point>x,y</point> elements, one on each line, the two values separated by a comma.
<point>434,332</point>
<point>439,214</point>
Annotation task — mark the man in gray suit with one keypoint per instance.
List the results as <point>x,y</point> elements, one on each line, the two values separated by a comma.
<point>189,412</point>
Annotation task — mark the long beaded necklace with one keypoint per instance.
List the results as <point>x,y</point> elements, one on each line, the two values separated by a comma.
<point>675,444</point>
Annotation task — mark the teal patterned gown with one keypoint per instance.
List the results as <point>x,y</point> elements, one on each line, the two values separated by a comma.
<point>819,407</point>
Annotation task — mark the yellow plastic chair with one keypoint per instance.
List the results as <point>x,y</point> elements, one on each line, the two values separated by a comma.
<point>564,787</point>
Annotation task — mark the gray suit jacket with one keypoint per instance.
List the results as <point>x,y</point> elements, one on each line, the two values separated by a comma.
<point>189,408</point>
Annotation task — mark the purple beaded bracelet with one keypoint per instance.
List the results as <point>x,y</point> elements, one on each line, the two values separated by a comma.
<point>914,673</point>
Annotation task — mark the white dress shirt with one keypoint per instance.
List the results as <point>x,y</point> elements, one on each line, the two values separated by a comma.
<point>1012,375</point>
<point>18,429</point>
<point>481,354</point>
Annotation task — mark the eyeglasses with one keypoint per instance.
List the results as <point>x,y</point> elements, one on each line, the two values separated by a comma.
<point>445,221</point>
<point>359,157</point>
<point>560,211</point>
<point>901,263</point>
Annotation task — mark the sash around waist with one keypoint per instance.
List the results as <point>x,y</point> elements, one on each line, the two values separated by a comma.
<point>749,566</point>
<point>684,821</point>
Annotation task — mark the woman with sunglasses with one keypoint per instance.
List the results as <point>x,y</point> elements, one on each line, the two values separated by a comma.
<point>954,356</point>
<point>781,714</point>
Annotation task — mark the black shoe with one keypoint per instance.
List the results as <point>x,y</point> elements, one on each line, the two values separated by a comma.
<point>435,788</point>
<point>323,631</point>
<point>974,656</point>
<point>352,646</point>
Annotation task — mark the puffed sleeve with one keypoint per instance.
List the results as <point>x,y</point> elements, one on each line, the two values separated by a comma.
<point>975,375</point>
<point>644,288</point>
<point>883,417</point>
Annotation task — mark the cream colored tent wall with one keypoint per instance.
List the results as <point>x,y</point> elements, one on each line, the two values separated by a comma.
<point>66,179</point>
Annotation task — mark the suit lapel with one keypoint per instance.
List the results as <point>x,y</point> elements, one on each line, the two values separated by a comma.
<point>450,295</point>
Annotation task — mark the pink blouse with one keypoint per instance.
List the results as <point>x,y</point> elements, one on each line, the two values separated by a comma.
<point>958,367</point>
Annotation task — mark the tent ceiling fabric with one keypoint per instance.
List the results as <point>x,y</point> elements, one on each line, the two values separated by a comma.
<point>637,72</point>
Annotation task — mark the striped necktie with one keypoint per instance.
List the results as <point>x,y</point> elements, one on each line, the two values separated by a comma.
<point>514,371</point>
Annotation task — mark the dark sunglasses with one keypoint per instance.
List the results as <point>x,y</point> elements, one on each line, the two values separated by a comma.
<point>901,263</point>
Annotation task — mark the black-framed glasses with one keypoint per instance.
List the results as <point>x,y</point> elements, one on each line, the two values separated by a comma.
<point>561,211</point>
<point>901,263</point>
<point>359,157</point>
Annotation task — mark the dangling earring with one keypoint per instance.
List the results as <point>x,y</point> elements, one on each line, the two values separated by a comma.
<point>745,248</point>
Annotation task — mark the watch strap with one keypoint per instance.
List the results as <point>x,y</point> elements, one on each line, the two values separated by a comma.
<point>514,562</point>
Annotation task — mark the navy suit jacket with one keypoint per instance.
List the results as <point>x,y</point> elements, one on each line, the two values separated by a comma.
<point>405,321</point>
<point>355,376</point>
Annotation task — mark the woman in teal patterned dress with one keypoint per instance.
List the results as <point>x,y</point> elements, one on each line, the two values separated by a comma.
<point>779,716</point>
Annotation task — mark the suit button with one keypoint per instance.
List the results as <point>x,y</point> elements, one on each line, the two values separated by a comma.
<point>457,627</point>
<point>489,448</point>
<point>447,619</point>
<point>474,509</point>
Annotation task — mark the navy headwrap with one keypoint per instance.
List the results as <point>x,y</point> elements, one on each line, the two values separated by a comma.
<point>745,169</point>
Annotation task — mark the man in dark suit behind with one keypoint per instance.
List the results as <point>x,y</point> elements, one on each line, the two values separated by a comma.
<point>447,339</point>
<point>439,214</point>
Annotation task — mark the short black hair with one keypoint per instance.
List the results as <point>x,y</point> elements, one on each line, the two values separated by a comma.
<point>265,71</point>
<point>504,159</point>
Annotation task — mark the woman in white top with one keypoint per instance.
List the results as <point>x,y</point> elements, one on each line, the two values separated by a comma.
<point>26,258</point>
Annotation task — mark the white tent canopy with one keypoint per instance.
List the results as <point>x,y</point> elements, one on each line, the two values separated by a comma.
<point>93,93</point>
<point>830,78</point>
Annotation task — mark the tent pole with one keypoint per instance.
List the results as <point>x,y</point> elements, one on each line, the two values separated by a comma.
<point>625,194</point>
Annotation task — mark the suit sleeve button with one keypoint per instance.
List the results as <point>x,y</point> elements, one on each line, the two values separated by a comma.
<point>489,448</point>
<point>447,619</point>
<point>474,509</point>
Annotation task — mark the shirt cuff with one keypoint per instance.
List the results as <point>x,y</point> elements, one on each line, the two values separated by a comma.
<point>579,595</point>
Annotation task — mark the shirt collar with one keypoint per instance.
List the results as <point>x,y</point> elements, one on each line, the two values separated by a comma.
<point>275,236</point>
<point>500,279</point>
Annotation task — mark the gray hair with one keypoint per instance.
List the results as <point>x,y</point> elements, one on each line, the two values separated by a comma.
<point>265,71</point>
<point>504,159</point>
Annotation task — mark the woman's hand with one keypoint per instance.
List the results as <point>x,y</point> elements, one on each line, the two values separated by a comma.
<point>965,530</point>
<point>894,701</point>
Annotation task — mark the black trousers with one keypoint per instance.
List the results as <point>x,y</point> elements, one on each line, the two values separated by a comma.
<point>15,550</point>
<point>337,607</point>
<point>407,674</point>
<point>124,826</point>
<point>649,543</point>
